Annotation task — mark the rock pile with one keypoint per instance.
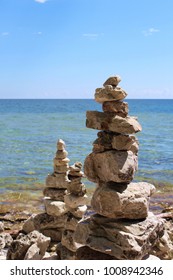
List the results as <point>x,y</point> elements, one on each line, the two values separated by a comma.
<point>64,198</point>
<point>75,200</point>
<point>122,226</point>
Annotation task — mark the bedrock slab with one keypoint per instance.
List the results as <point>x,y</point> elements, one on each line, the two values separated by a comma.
<point>112,122</point>
<point>123,239</point>
<point>122,201</point>
<point>116,166</point>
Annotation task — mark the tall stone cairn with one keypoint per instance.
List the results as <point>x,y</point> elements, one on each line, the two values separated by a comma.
<point>122,226</point>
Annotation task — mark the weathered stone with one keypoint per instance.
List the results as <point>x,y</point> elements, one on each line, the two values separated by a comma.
<point>77,166</point>
<point>50,257</point>
<point>73,201</point>
<point>44,221</point>
<point>71,222</point>
<point>122,201</point>
<point>54,234</point>
<point>68,241</point>
<point>61,168</point>
<point>64,253</point>
<point>20,246</point>
<point>120,142</point>
<point>164,246</point>
<point>55,194</point>
<point>109,93</point>
<point>61,154</point>
<point>60,145</point>
<point>5,240</point>
<point>123,239</point>
<point>3,254</point>
<point>112,122</point>
<point>118,107</point>
<point>79,211</point>
<point>113,81</point>
<point>61,162</point>
<point>55,208</point>
<point>1,227</point>
<point>86,253</point>
<point>111,165</point>
<point>58,181</point>
<point>150,258</point>
<point>76,188</point>
<point>76,173</point>
<point>33,253</point>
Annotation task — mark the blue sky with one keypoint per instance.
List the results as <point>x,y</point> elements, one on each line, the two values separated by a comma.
<point>67,48</point>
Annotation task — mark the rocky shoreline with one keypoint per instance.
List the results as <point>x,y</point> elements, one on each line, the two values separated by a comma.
<point>116,222</point>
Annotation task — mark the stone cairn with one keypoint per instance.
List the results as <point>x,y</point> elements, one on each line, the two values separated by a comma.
<point>64,199</point>
<point>121,226</point>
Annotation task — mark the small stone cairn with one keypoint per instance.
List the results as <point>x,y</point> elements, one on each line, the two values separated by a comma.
<point>121,226</point>
<point>64,200</point>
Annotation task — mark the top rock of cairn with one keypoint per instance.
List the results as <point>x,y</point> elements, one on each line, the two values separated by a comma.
<point>110,91</point>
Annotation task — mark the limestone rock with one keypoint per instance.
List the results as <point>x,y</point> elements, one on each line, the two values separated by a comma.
<point>79,211</point>
<point>60,145</point>
<point>118,107</point>
<point>20,246</point>
<point>73,201</point>
<point>111,166</point>
<point>58,181</point>
<point>86,253</point>
<point>44,221</point>
<point>1,227</point>
<point>112,122</point>
<point>54,194</point>
<point>71,222</point>
<point>55,208</point>
<point>3,254</point>
<point>54,234</point>
<point>76,188</point>
<point>109,93</point>
<point>113,81</point>
<point>122,239</point>
<point>68,240</point>
<point>61,162</point>
<point>61,169</point>
<point>122,201</point>
<point>33,253</point>
<point>64,253</point>
<point>110,140</point>
<point>61,154</point>
<point>5,240</point>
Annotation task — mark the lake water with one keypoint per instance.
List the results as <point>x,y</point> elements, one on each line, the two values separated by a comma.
<point>29,130</point>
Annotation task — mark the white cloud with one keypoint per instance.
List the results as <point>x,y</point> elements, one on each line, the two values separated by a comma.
<point>92,35</point>
<point>5,33</point>
<point>41,1</point>
<point>150,31</point>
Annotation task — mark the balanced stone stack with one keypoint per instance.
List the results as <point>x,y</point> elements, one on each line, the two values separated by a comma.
<point>75,200</point>
<point>65,199</point>
<point>122,226</point>
<point>52,222</point>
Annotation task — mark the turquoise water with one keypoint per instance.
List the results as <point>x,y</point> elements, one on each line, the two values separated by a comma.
<point>29,130</point>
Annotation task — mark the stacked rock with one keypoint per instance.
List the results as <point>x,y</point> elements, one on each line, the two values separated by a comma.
<point>52,222</point>
<point>122,227</point>
<point>65,198</point>
<point>75,200</point>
